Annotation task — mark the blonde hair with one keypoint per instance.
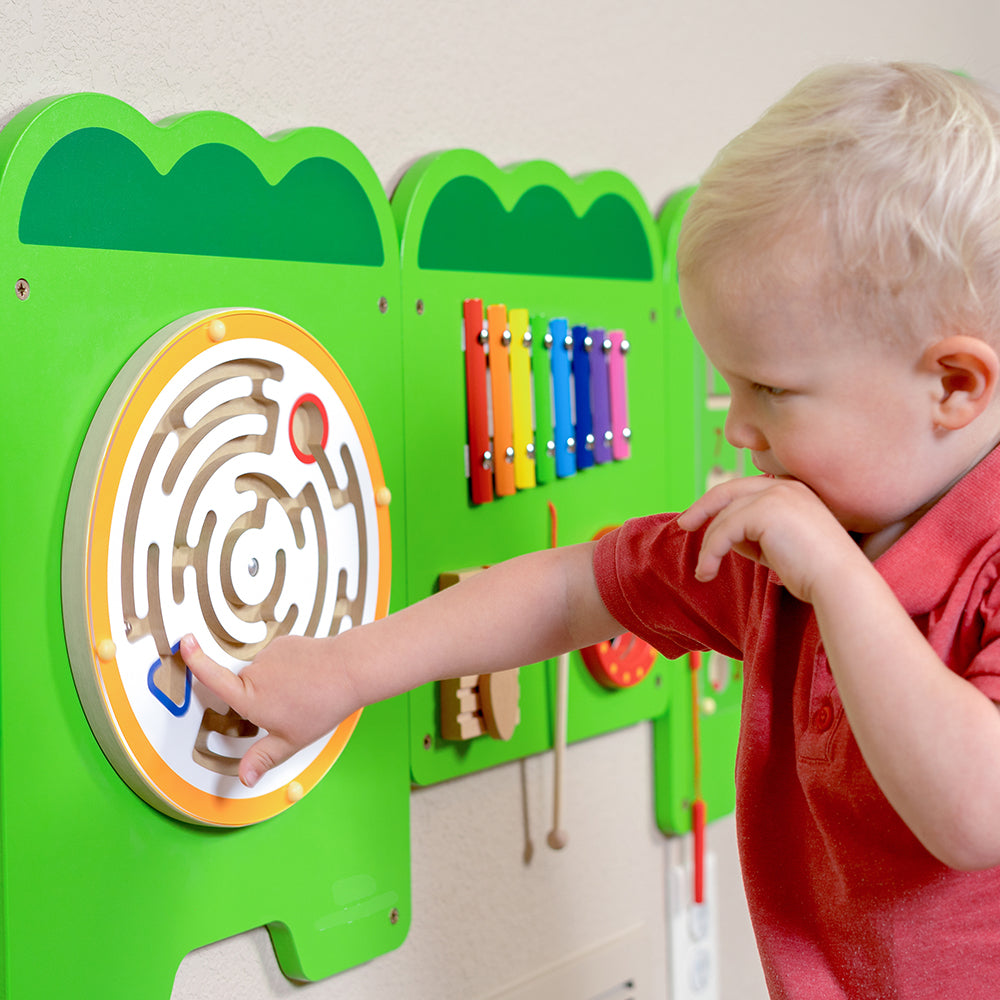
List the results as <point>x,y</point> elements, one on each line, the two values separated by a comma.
<point>898,165</point>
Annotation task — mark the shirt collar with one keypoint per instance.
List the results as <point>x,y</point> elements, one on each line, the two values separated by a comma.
<point>924,563</point>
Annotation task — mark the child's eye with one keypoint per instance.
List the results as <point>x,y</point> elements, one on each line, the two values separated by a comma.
<point>768,390</point>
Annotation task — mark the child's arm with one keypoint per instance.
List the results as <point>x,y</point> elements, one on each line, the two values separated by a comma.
<point>518,612</point>
<point>930,739</point>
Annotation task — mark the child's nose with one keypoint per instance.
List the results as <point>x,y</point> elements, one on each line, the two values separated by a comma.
<point>741,431</point>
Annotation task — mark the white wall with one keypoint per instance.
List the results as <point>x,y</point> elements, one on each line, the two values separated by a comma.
<point>647,88</point>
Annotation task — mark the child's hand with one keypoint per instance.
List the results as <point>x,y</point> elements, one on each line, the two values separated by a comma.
<point>779,523</point>
<point>291,690</point>
<point>299,688</point>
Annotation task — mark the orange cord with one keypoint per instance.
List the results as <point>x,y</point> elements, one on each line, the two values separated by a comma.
<point>695,721</point>
<point>698,808</point>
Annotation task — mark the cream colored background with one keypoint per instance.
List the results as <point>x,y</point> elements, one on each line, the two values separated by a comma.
<point>647,88</point>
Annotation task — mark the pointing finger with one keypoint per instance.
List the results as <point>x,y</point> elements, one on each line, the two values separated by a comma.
<point>215,677</point>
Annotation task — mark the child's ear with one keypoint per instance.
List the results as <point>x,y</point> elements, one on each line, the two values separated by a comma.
<point>966,372</point>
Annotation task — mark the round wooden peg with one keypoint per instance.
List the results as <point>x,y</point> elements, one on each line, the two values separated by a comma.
<point>500,694</point>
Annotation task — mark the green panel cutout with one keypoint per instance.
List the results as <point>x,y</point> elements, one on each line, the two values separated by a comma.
<point>95,188</point>
<point>467,228</point>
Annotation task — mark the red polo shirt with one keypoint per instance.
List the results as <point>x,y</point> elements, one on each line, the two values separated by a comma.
<point>845,901</point>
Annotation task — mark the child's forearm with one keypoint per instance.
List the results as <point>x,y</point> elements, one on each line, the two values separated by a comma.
<point>930,739</point>
<point>528,609</point>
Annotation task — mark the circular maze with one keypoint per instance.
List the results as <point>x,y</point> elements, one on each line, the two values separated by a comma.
<point>229,486</point>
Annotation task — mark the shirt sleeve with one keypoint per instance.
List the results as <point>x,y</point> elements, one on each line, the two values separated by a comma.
<point>645,576</point>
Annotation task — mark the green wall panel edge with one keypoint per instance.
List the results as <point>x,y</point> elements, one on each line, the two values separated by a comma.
<point>103,895</point>
<point>719,682</point>
<point>445,530</point>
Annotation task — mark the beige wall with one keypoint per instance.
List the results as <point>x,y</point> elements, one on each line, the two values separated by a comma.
<point>647,88</point>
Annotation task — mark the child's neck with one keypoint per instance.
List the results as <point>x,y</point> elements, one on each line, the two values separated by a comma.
<point>874,544</point>
<point>880,541</point>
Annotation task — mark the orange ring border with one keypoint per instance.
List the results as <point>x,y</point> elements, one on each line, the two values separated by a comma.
<point>183,347</point>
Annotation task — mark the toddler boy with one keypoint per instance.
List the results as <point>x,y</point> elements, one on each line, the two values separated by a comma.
<point>840,267</point>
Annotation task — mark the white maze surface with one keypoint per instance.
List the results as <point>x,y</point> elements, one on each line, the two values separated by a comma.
<point>245,510</point>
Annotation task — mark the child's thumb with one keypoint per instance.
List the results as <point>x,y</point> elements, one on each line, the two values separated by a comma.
<point>262,756</point>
